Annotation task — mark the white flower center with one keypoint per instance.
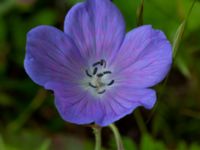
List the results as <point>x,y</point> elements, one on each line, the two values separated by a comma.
<point>99,77</point>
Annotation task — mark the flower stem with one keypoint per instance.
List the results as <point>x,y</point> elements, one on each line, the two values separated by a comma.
<point>97,133</point>
<point>117,137</point>
<point>140,121</point>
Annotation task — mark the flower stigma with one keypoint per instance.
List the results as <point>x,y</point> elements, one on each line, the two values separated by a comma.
<point>98,77</point>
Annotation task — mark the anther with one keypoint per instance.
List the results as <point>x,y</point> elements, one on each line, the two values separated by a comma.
<point>100,75</point>
<point>93,86</point>
<point>103,63</point>
<point>107,72</point>
<point>102,92</point>
<point>95,70</point>
<point>109,84</point>
<point>97,63</point>
<point>87,73</point>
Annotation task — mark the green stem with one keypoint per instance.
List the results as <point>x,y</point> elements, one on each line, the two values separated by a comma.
<point>140,121</point>
<point>117,137</point>
<point>97,133</point>
<point>176,44</point>
<point>190,10</point>
<point>140,11</point>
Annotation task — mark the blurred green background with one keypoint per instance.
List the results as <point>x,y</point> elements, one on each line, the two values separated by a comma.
<point>28,118</point>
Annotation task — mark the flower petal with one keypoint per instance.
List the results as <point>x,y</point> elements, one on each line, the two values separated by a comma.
<point>97,27</point>
<point>144,59</point>
<point>78,106</point>
<point>51,56</point>
<point>74,104</point>
<point>122,102</point>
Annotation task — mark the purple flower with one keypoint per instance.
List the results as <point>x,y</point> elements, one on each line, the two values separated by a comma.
<point>97,72</point>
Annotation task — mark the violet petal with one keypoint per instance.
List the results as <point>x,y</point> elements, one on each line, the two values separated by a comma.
<point>122,102</point>
<point>97,27</point>
<point>74,104</point>
<point>144,59</point>
<point>51,56</point>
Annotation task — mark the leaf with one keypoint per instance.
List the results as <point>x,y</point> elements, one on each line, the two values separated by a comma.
<point>88,145</point>
<point>25,140</point>
<point>147,142</point>
<point>182,146</point>
<point>45,16</point>
<point>2,144</point>
<point>24,116</point>
<point>3,30</point>
<point>183,66</point>
<point>45,145</point>
<point>180,31</point>
<point>129,144</point>
<point>18,38</point>
<point>178,37</point>
<point>159,145</point>
<point>6,6</point>
<point>72,2</point>
<point>194,146</point>
<point>6,100</point>
<point>158,14</point>
<point>127,9</point>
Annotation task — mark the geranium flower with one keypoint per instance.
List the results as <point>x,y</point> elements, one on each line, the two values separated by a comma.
<point>97,72</point>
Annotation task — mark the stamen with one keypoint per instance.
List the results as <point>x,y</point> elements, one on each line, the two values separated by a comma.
<point>93,86</point>
<point>97,82</point>
<point>102,92</point>
<point>97,63</point>
<point>100,75</point>
<point>87,73</point>
<point>107,72</point>
<point>109,84</point>
<point>103,63</point>
<point>95,70</point>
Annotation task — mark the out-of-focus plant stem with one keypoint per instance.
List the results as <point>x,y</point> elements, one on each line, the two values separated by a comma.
<point>97,133</point>
<point>117,137</point>
<point>176,43</point>
<point>140,122</point>
<point>23,117</point>
<point>137,113</point>
<point>139,13</point>
<point>180,31</point>
<point>190,10</point>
